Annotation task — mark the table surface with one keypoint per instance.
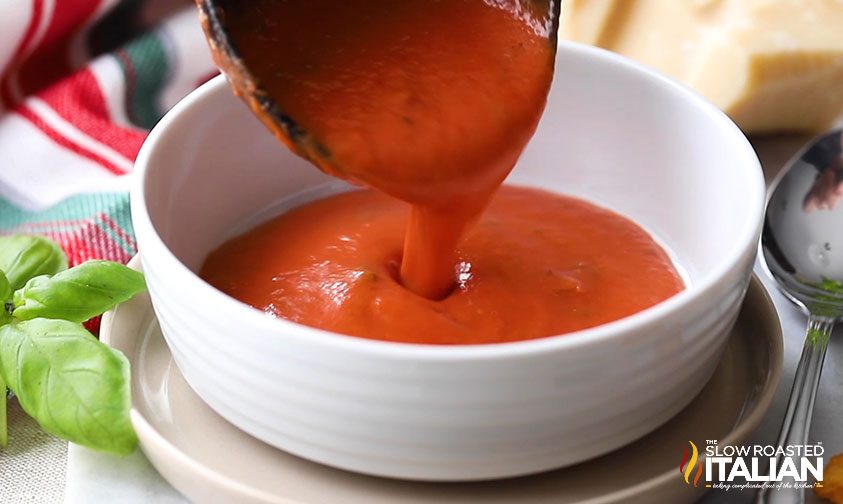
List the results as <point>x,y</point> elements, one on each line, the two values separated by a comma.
<point>35,466</point>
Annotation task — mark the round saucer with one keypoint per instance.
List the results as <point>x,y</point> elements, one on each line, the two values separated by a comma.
<point>209,460</point>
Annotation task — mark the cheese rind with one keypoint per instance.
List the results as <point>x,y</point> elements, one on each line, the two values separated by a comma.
<point>772,65</point>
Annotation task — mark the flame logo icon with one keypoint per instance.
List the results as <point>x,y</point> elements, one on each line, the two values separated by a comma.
<point>686,467</point>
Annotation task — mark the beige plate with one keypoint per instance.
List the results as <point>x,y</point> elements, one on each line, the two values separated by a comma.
<point>209,460</point>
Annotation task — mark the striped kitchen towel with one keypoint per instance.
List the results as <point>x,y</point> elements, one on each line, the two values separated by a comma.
<point>81,84</point>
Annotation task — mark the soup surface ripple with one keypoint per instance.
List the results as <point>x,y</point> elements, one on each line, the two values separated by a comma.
<point>536,264</point>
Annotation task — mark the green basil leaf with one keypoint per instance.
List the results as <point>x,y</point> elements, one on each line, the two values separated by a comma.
<point>5,289</point>
<point>78,294</point>
<point>4,431</point>
<point>74,386</point>
<point>5,297</point>
<point>25,257</point>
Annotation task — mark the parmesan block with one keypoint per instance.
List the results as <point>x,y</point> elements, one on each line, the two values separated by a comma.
<point>772,65</point>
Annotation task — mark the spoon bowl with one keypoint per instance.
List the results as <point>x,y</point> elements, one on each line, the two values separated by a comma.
<point>802,249</point>
<point>800,245</point>
<point>212,14</point>
<point>398,96</point>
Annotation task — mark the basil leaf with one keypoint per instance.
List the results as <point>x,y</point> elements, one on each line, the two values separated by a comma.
<point>5,296</point>
<point>24,257</point>
<point>5,289</point>
<point>74,386</point>
<point>4,431</point>
<point>5,318</point>
<point>79,293</point>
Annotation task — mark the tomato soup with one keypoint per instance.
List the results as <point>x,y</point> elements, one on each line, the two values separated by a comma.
<point>429,101</point>
<point>536,264</point>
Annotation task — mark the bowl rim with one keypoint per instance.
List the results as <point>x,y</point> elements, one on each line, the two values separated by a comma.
<point>253,318</point>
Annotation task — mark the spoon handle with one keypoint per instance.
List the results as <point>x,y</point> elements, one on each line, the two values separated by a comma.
<point>800,406</point>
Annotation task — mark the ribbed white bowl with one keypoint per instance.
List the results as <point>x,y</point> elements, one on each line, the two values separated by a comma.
<point>614,133</point>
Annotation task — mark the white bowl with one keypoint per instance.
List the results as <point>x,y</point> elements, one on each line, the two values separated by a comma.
<point>614,133</point>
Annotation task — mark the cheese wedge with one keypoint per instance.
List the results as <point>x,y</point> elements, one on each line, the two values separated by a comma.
<point>772,65</point>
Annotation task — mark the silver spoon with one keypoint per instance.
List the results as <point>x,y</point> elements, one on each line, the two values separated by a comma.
<point>802,249</point>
